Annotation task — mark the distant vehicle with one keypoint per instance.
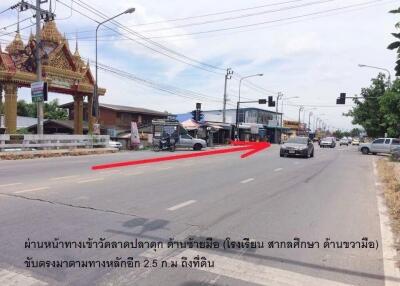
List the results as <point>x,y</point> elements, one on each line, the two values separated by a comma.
<point>355,142</point>
<point>380,145</point>
<point>328,142</point>
<point>298,146</point>
<point>344,141</point>
<point>115,144</point>
<point>350,139</point>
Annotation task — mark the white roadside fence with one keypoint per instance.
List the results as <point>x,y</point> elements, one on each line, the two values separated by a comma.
<point>48,142</point>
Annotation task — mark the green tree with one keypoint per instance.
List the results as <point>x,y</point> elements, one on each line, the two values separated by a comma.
<point>390,108</point>
<point>367,111</point>
<point>51,110</point>
<point>355,132</point>
<point>396,45</point>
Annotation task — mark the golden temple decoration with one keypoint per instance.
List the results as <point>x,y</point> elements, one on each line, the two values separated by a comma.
<point>16,45</point>
<point>50,33</point>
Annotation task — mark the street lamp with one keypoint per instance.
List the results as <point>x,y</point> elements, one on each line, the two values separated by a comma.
<point>95,104</point>
<point>237,108</point>
<point>379,68</point>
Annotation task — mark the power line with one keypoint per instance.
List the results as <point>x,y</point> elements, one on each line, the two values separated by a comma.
<point>207,14</point>
<point>200,65</point>
<point>167,88</point>
<point>241,16</point>
<point>5,10</point>
<point>267,22</point>
<point>16,23</point>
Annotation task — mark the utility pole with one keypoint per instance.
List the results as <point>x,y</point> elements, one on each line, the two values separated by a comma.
<point>38,69</point>
<point>301,108</point>
<point>228,75</point>
<point>309,122</point>
<point>39,15</point>
<point>279,96</point>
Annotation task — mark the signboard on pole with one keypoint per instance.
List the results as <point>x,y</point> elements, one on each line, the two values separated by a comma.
<point>135,139</point>
<point>39,91</point>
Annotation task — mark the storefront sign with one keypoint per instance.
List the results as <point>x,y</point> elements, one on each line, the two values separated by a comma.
<point>135,139</point>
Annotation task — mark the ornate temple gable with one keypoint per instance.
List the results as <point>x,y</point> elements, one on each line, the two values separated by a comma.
<point>61,58</point>
<point>88,77</point>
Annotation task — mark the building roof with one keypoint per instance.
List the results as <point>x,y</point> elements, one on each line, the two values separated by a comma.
<point>64,123</point>
<point>22,121</point>
<point>123,108</point>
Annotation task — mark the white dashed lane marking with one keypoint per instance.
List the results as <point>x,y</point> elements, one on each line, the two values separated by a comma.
<point>64,178</point>
<point>32,190</point>
<point>90,180</point>
<point>278,169</point>
<point>182,205</point>
<point>247,181</point>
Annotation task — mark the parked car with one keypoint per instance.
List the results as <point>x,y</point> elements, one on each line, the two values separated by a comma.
<point>328,142</point>
<point>187,141</point>
<point>115,144</point>
<point>344,141</point>
<point>350,139</point>
<point>298,146</point>
<point>380,145</point>
<point>355,142</point>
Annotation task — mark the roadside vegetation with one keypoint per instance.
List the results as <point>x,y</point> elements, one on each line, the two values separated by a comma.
<point>389,172</point>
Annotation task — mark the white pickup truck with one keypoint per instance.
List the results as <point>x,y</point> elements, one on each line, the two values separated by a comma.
<point>380,145</point>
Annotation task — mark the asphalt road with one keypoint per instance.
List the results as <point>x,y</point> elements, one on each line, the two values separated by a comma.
<point>263,198</point>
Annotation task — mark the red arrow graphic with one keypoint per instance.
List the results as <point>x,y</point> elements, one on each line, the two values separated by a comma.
<point>251,147</point>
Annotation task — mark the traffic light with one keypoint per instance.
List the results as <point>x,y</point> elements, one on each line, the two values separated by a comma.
<point>271,102</point>
<point>197,114</point>
<point>262,101</point>
<point>341,99</point>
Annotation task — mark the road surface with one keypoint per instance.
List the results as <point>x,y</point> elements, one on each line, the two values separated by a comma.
<point>263,198</point>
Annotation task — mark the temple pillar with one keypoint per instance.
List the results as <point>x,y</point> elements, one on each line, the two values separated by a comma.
<point>90,115</point>
<point>10,108</point>
<point>78,114</point>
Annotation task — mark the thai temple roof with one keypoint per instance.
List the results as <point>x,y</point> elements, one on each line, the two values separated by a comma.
<point>16,45</point>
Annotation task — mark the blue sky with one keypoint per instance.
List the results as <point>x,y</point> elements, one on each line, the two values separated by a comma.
<point>313,58</point>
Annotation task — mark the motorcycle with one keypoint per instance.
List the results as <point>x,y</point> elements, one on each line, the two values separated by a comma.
<point>164,144</point>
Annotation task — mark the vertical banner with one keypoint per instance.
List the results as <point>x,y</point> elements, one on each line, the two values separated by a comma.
<point>135,139</point>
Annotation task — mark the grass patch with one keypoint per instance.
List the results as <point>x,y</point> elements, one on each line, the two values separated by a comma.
<point>389,173</point>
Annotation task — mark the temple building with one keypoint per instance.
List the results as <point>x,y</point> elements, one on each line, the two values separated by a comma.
<point>64,71</point>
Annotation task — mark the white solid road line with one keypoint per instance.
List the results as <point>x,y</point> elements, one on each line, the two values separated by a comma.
<point>90,180</point>
<point>247,181</point>
<point>389,253</point>
<point>32,190</point>
<point>10,185</point>
<point>10,278</point>
<point>185,204</point>
<point>256,273</point>
<point>64,178</point>
<point>278,169</point>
